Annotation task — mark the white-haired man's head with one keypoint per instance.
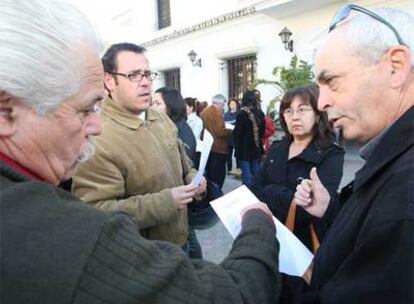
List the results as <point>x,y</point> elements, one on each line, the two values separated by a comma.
<point>365,73</point>
<point>371,39</point>
<point>40,61</point>
<point>218,101</point>
<point>51,86</point>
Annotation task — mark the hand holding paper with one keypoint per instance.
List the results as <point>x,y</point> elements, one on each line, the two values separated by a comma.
<point>203,146</point>
<point>294,257</point>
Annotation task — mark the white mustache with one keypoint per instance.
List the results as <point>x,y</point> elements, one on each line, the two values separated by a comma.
<point>88,151</point>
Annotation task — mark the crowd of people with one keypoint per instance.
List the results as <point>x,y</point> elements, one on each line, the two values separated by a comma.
<point>123,231</point>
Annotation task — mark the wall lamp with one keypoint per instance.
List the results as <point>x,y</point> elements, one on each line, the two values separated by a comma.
<point>193,58</point>
<point>285,35</point>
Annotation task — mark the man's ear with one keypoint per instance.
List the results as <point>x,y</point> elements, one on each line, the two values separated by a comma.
<point>109,82</point>
<point>400,65</point>
<point>8,121</point>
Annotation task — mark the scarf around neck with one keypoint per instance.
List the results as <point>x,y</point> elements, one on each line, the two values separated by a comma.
<point>252,118</point>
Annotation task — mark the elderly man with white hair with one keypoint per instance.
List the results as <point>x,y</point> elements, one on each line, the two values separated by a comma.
<point>365,71</point>
<point>54,248</point>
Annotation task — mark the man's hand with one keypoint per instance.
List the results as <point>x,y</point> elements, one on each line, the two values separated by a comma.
<point>183,195</point>
<point>202,186</point>
<point>258,206</point>
<point>312,195</point>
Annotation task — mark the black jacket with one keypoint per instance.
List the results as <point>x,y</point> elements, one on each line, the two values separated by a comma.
<point>244,144</point>
<point>275,183</point>
<point>368,253</point>
<point>187,137</point>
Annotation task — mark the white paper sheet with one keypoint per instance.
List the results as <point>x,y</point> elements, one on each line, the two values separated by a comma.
<point>294,257</point>
<point>203,146</point>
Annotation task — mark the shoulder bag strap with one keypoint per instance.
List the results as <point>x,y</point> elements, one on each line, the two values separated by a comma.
<point>290,224</point>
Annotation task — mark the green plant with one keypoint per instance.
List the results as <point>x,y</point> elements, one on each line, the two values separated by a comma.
<point>298,73</point>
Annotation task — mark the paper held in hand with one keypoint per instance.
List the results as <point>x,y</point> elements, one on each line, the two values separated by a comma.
<point>204,147</point>
<point>294,257</point>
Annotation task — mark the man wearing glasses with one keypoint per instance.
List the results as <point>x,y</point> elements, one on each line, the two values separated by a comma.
<point>365,70</point>
<point>138,165</point>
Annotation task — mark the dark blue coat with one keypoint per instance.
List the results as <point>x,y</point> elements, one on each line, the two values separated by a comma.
<point>367,255</point>
<point>187,137</point>
<point>276,182</point>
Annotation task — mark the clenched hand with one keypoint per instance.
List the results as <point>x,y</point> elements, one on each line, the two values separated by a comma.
<point>312,195</point>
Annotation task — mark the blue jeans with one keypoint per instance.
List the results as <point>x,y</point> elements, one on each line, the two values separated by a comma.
<point>248,169</point>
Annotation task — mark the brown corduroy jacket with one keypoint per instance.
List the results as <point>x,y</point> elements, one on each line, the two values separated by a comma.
<point>135,165</point>
<point>214,122</point>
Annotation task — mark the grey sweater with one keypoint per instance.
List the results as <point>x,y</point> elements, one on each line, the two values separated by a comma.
<point>55,249</point>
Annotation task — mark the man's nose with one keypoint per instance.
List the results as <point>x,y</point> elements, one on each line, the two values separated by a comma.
<point>93,124</point>
<point>145,81</point>
<point>325,100</point>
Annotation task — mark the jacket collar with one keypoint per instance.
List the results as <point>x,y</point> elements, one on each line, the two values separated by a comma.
<point>16,166</point>
<point>310,153</point>
<point>393,143</point>
<point>112,110</point>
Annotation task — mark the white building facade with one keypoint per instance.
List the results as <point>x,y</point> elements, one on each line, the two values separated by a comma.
<point>235,40</point>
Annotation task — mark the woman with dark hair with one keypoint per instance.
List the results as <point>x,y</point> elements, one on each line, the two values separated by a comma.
<point>247,133</point>
<point>309,142</point>
<point>170,101</point>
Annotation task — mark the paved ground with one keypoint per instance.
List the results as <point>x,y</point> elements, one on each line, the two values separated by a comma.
<point>216,241</point>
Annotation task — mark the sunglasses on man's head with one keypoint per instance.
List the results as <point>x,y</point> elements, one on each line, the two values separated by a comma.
<point>344,12</point>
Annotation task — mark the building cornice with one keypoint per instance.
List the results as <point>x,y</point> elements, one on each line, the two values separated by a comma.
<point>201,26</point>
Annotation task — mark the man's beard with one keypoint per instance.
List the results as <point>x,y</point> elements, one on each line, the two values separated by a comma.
<point>88,151</point>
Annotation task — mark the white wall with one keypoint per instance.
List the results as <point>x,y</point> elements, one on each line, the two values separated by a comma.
<point>256,33</point>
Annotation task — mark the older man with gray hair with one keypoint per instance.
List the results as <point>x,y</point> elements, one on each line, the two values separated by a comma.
<point>365,71</point>
<point>54,248</point>
<point>213,121</point>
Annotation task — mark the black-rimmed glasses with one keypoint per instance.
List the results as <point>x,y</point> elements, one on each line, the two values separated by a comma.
<point>344,12</point>
<point>137,76</point>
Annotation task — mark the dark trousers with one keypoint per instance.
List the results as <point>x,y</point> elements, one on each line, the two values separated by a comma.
<point>216,168</point>
<point>194,245</point>
<point>248,169</point>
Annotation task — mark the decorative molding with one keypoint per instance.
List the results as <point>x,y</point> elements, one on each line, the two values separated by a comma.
<point>200,26</point>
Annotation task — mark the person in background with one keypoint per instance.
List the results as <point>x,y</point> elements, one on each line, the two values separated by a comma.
<point>195,122</point>
<point>247,132</point>
<point>200,106</point>
<point>212,117</point>
<point>270,129</point>
<point>230,118</point>
<point>169,101</point>
<point>139,165</point>
<point>365,71</point>
<point>269,125</point>
<point>309,142</point>
<point>54,248</point>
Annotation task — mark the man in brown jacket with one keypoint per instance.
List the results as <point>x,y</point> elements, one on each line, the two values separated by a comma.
<point>138,165</point>
<point>213,120</point>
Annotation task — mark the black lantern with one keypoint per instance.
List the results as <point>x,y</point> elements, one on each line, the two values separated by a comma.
<point>285,35</point>
<point>193,58</point>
